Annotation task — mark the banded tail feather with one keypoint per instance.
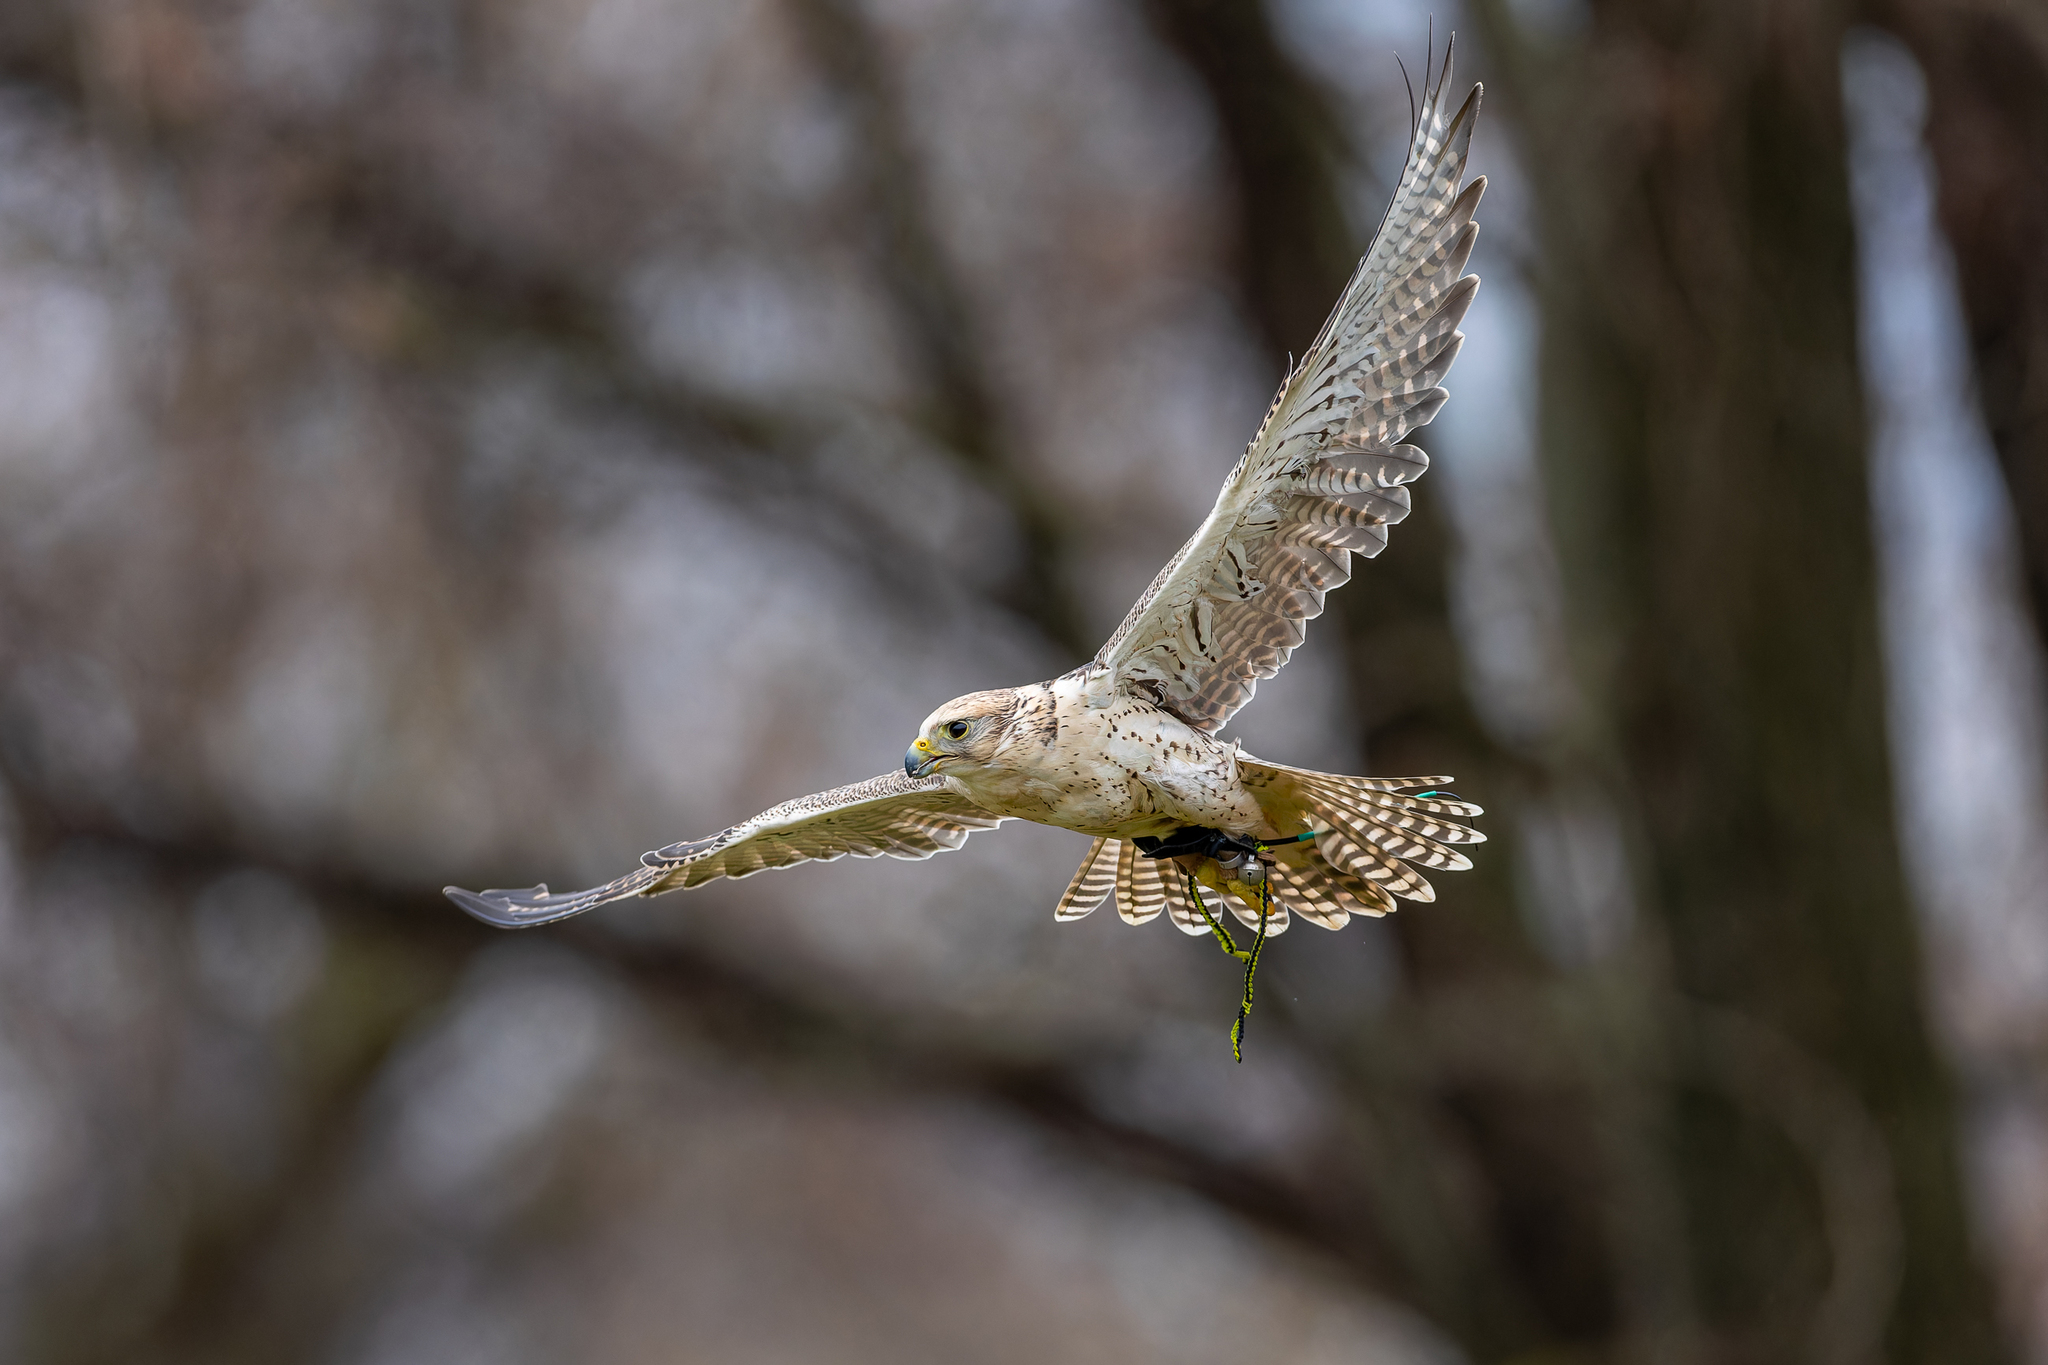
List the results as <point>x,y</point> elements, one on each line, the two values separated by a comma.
<point>1092,882</point>
<point>1370,835</point>
<point>1146,894</point>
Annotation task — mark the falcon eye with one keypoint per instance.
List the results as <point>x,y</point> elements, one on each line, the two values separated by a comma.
<point>956,729</point>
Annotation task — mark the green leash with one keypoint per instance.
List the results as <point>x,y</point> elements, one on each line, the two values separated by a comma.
<point>1249,958</point>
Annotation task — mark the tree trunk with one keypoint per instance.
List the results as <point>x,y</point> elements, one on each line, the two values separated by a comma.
<point>1703,432</point>
<point>1987,84</point>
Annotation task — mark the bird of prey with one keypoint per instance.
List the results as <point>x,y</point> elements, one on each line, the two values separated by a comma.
<point>1125,747</point>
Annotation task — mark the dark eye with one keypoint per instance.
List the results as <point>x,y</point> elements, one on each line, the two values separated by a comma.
<point>956,729</point>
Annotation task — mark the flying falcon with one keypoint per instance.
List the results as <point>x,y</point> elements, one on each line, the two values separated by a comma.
<point>1125,747</point>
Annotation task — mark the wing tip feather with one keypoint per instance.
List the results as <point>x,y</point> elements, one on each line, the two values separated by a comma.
<point>509,909</point>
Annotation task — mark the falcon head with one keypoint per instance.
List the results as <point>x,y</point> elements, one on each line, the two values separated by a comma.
<point>964,732</point>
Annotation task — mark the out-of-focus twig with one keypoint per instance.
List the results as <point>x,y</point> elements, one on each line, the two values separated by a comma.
<point>936,315</point>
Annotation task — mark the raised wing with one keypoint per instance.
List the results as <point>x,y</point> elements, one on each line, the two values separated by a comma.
<point>893,815</point>
<point>1327,473</point>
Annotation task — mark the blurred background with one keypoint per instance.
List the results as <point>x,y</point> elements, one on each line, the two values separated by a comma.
<point>477,440</point>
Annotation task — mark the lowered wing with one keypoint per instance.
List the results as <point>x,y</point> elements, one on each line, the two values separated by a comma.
<point>1327,473</point>
<point>889,816</point>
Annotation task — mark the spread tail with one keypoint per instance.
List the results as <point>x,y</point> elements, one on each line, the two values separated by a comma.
<point>1369,835</point>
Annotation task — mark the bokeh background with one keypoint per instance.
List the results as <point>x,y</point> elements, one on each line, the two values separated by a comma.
<point>476,440</point>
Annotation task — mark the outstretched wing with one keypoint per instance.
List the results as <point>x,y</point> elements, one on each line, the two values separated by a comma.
<point>1326,474</point>
<point>893,815</point>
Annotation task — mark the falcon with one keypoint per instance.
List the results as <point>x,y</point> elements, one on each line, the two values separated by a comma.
<point>1125,748</point>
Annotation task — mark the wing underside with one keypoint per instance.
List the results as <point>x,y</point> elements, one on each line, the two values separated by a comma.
<point>892,816</point>
<point>1328,471</point>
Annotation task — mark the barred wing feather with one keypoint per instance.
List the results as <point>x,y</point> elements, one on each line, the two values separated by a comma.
<point>1328,472</point>
<point>893,816</point>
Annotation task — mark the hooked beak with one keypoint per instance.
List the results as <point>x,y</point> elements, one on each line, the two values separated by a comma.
<point>919,758</point>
